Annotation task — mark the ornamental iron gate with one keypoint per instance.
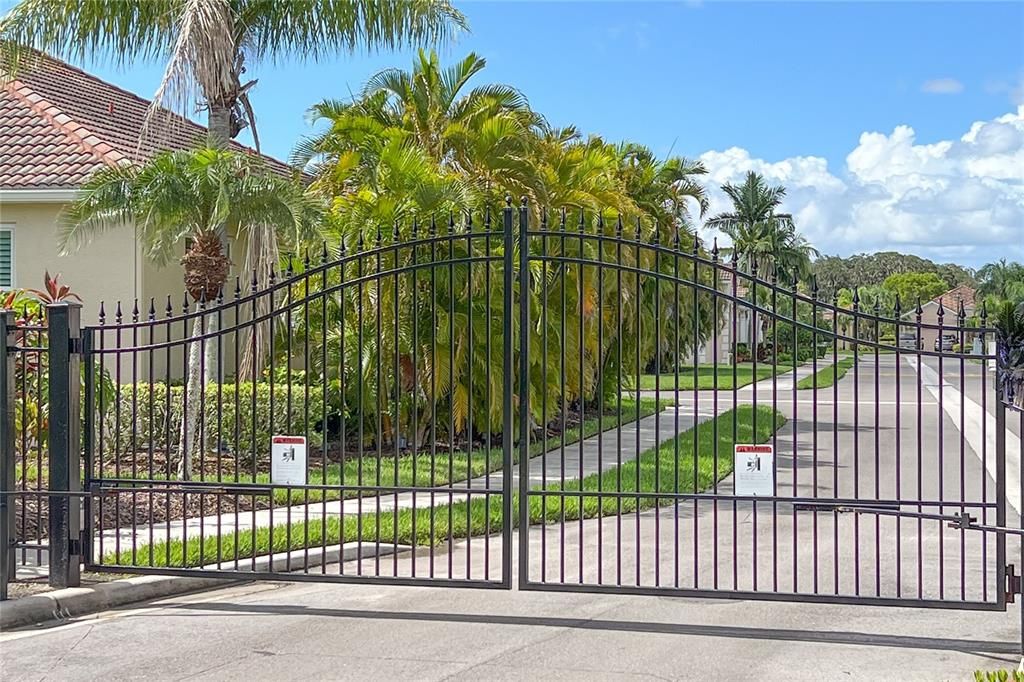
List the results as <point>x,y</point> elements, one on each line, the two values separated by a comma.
<point>394,410</point>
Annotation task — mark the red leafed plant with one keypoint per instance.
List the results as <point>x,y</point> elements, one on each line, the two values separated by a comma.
<point>53,291</point>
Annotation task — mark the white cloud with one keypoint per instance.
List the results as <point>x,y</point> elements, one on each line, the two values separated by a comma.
<point>942,86</point>
<point>953,199</point>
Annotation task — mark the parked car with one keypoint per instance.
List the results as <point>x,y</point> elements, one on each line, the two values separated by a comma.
<point>945,343</point>
<point>908,340</point>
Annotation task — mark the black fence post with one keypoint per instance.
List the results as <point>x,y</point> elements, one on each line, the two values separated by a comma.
<point>7,528</point>
<point>65,458</point>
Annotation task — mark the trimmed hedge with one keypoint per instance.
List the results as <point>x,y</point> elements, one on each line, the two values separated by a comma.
<point>144,415</point>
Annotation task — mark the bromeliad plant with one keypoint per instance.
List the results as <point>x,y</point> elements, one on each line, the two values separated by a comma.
<point>1009,324</point>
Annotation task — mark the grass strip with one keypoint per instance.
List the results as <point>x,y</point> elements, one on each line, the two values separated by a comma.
<point>423,527</point>
<point>826,376</point>
<point>705,377</point>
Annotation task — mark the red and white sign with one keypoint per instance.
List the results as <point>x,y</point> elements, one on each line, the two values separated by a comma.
<point>754,470</point>
<point>288,460</point>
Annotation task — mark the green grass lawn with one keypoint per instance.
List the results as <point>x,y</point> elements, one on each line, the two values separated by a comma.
<point>667,468</point>
<point>422,470</point>
<point>705,377</point>
<point>826,376</point>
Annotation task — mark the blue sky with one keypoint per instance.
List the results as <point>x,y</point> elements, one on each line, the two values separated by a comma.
<point>776,81</point>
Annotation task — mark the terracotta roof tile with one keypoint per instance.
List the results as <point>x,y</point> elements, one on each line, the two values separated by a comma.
<point>951,299</point>
<point>61,124</point>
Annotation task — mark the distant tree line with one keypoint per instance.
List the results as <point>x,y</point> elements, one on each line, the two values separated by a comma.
<point>835,273</point>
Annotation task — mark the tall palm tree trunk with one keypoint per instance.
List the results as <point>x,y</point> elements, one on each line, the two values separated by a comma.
<point>206,270</point>
<point>200,373</point>
<point>219,125</point>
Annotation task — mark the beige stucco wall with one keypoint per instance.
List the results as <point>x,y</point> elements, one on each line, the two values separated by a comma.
<point>110,268</point>
<point>107,269</point>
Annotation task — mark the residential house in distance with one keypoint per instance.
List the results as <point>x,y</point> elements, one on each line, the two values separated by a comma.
<point>61,124</point>
<point>950,303</point>
<point>735,323</point>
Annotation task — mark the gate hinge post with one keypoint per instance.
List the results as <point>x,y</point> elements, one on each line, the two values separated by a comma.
<point>1013,584</point>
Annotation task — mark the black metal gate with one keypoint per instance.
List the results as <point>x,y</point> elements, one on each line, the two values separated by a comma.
<point>378,362</point>
<point>877,483</point>
<point>395,409</point>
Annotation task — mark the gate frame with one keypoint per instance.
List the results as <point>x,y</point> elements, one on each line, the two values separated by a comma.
<point>1003,591</point>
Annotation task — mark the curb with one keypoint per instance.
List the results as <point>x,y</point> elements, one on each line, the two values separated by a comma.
<point>72,602</point>
<point>78,601</point>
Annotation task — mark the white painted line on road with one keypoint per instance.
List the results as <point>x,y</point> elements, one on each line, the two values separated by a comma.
<point>973,430</point>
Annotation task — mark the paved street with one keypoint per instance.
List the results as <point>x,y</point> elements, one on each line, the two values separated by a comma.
<point>267,631</point>
<point>320,631</point>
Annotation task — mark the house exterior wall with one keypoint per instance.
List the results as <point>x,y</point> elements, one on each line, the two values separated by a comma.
<point>107,269</point>
<point>110,268</point>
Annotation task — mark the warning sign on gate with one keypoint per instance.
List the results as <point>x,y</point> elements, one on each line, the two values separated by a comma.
<point>754,470</point>
<point>288,460</point>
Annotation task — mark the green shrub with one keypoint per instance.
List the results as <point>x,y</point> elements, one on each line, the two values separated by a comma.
<point>152,415</point>
<point>784,359</point>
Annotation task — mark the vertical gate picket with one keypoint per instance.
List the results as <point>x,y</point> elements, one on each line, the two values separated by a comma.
<point>523,378</point>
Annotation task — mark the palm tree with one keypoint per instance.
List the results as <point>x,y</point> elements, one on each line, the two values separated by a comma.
<point>210,44</point>
<point>425,142</point>
<point>1002,280</point>
<point>204,196</point>
<point>759,234</point>
<point>482,133</point>
<point>763,239</point>
<point>661,188</point>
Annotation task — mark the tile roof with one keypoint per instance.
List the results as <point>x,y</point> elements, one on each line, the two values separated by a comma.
<point>60,124</point>
<point>951,299</point>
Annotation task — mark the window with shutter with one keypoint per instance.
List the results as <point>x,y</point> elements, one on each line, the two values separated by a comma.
<point>6,258</point>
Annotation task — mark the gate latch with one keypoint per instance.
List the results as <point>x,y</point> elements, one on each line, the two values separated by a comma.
<point>963,521</point>
<point>1013,584</point>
